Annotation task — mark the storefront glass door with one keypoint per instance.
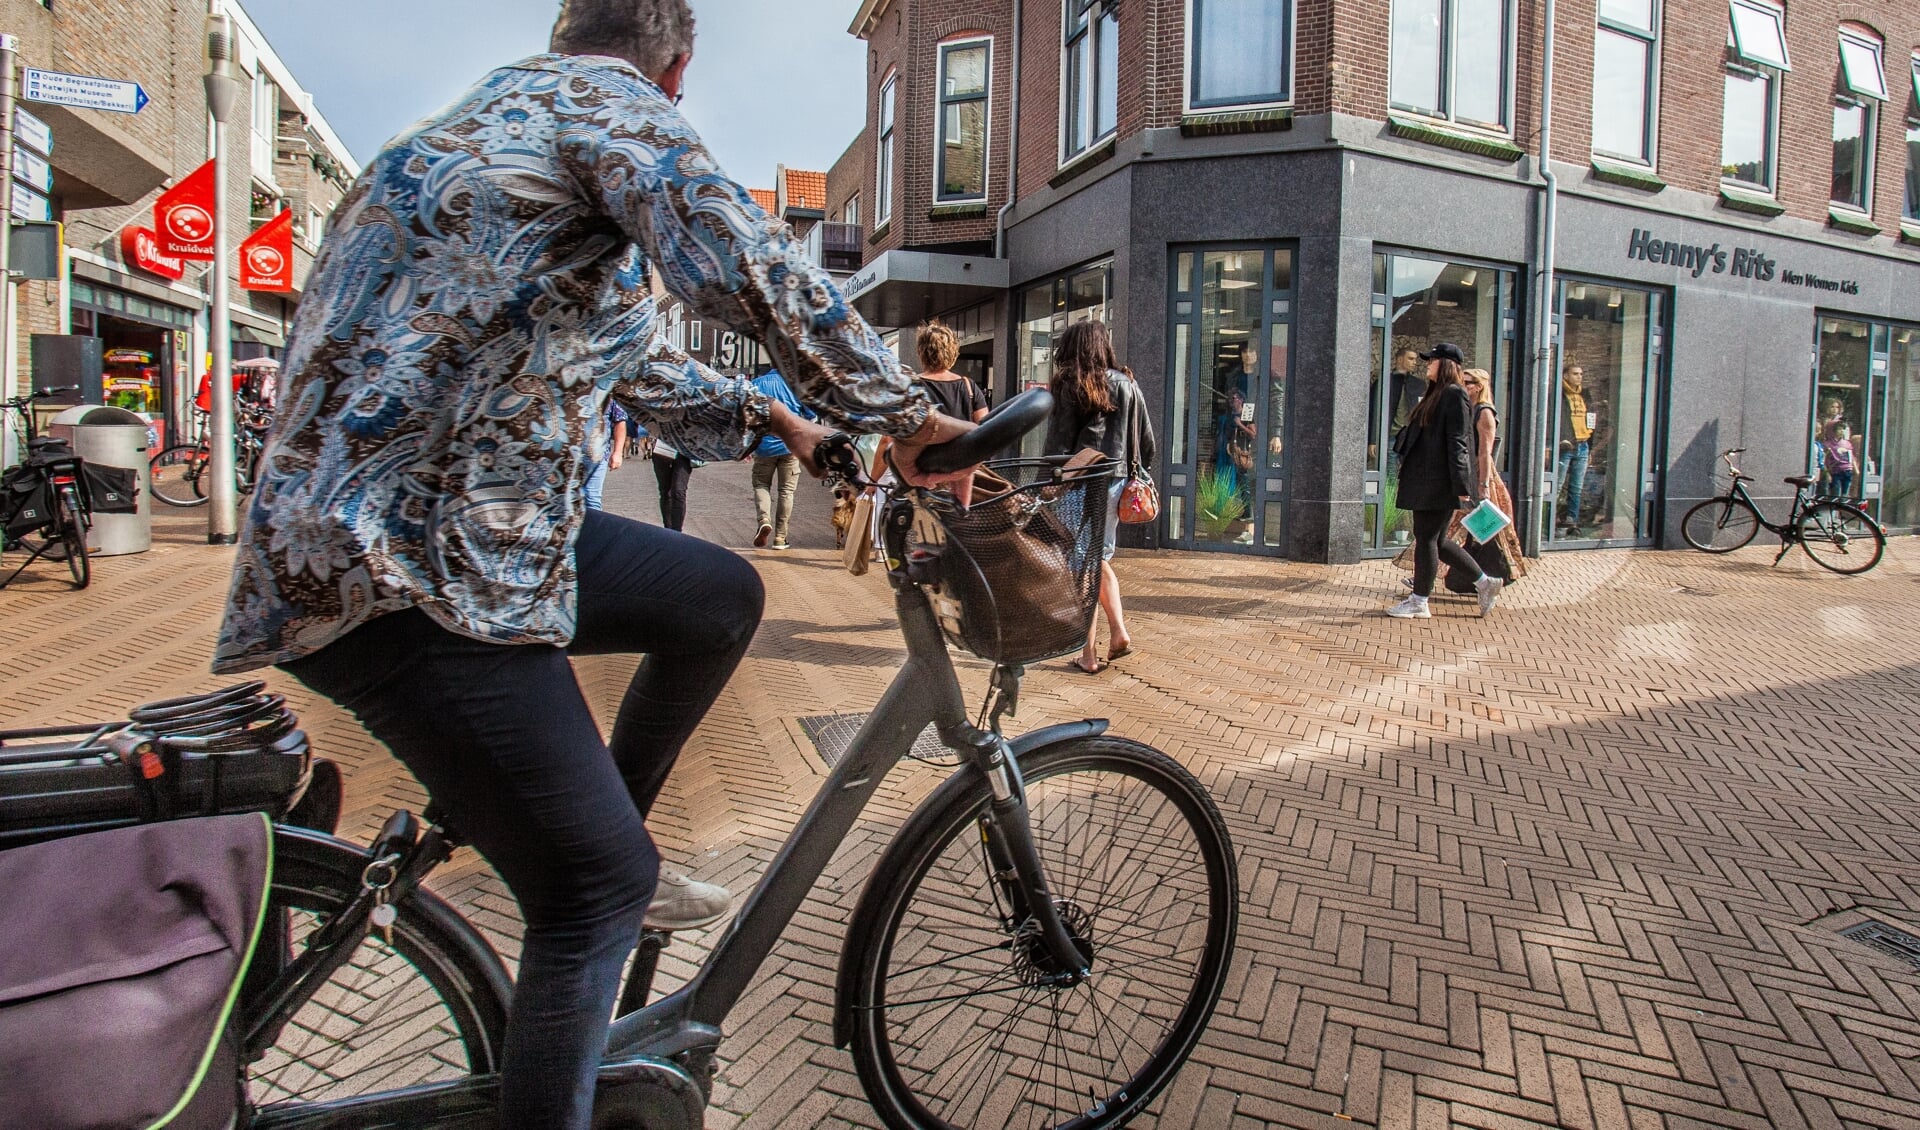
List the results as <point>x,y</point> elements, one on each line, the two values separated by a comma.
<point>1043,311</point>
<point>1864,441</point>
<point>1232,311</point>
<point>1601,440</point>
<point>1418,301</point>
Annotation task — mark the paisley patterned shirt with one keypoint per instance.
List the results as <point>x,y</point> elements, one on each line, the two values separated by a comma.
<point>483,289</point>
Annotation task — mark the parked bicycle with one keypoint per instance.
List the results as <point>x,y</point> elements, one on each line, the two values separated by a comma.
<point>44,508</point>
<point>182,475</point>
<point>1042,944</point>
<point>1836,534</point>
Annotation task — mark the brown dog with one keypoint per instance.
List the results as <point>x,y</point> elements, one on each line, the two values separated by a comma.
<point>842,515</point>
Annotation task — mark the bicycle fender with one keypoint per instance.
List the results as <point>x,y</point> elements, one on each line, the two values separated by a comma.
<point>935,802</point>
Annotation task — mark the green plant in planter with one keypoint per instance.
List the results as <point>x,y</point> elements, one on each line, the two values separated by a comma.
<point>1396,518</point>
<point>1217,503</point>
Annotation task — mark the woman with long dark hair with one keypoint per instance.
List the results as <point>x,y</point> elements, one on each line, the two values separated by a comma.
<point>1097,404</point>
<point>1438,459</point>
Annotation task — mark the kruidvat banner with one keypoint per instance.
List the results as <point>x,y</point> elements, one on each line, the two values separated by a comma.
<point>183,216</point>
<point>266,258</point>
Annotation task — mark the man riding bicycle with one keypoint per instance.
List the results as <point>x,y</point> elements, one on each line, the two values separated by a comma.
<point>417,548</point>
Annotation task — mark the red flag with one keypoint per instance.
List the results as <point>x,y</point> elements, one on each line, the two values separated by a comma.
<point>141,247</point>
<point>266,258</point>
<point>183,216</point>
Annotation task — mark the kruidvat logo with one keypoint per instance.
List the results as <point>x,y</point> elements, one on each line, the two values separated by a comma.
<point>265,260</point>
<point>189,223</point>
<point>1741,262</point>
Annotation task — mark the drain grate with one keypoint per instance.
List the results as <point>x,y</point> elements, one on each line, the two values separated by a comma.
<point>1887,939</point>
<point>831,734</point>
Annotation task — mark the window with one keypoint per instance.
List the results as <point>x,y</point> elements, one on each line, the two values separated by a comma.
<point>1450,59</point>
<point>961,153</point>
<point>1044,310</point>
<point>1625,49</point>
<point>266,124</point>
<point>1242,53</point>
<point>1912,211</point>
<point>851,213</point>
<point>883,187</point>
<point>1092,31</point>
<point>1756,57</point>
<point>1864,81</point>
<point>693,335</point>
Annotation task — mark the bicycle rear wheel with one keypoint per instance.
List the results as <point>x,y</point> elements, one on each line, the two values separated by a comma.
<point>1720,525</point>
<point>73,536</point>
<point>952,1020</point>
<point>1841,537</point>
<point>432,1007</point>
<point>179,475</point>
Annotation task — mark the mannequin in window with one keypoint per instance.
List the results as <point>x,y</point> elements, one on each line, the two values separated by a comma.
<point>1576,443</point>
<point>1406,384</point>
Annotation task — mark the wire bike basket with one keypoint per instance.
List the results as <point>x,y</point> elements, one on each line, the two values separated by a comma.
<point>1018,571</point>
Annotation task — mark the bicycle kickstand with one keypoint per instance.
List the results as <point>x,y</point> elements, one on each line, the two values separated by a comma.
<point>1785,544</point>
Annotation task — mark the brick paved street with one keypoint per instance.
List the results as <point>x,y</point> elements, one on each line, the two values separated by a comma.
<point>1582,864</point>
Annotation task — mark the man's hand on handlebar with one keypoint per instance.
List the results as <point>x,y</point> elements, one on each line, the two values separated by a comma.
<point>939,429</point>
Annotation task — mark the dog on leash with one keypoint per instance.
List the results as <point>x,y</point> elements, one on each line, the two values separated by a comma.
<point>842,514</point>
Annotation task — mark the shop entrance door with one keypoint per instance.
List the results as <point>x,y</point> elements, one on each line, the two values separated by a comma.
<point>1865,436</point>
<point>1225,443</point>
<point>1600,460</point>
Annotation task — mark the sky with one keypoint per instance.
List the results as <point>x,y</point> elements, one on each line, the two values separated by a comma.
<point>772,81</point>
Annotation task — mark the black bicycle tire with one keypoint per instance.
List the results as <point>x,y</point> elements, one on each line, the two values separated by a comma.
<point>314,872</point>
<point>1724,501</point>
<point>154,465</point>
<point>73,534</point>
<point>1878,538</point>
<point>949,813</point>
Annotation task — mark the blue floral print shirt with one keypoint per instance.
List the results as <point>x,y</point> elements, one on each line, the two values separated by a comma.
<point>483,289</point>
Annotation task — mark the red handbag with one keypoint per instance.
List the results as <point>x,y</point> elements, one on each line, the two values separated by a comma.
<point>1139,497</point>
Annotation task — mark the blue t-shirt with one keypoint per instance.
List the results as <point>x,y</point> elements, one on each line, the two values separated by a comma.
<point>775,387</point>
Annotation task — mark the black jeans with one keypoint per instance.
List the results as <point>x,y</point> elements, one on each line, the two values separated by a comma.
<point>503,740</point>
<point>673,475</point>
<point>1430,544</point>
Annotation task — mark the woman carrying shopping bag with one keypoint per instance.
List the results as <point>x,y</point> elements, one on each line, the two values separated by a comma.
<point>1438,477</point>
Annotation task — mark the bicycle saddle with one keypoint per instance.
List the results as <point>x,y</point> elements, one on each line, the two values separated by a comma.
<point>1798,480</point>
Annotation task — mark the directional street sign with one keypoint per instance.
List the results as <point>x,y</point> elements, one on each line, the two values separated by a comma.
<point>32,132</point>
<point>84,92</point>
<point>30,168</point>
<point>30,205</point>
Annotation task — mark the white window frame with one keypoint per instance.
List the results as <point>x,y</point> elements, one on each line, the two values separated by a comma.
<point>693,335</point>
<point>1190,86</point>
<point>1095,12</point>
<point>1651,125</point>
<point>1738,60</point>
<point>940,140</point>
<point>883,148</point>
<point>264,145</point>
<point>850,211</point>
<point>1446,113</point>
<point>1743,50</point>
<point>1878,91</point>
<point>1869,141</point>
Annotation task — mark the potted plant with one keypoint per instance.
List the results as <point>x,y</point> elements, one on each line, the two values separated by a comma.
<point>1218,505</point>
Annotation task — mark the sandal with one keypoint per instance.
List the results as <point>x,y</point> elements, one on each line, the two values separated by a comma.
<point>1098,666</point>
<point>1122,653</point>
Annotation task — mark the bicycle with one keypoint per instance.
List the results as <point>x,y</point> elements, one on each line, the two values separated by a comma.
<point>1838,535</point>
<point>44,507</point>
<point>182,474</point>
<point>1043,942</point>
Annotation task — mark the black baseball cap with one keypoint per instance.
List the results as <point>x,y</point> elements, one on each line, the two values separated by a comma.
<point>1445,351</point>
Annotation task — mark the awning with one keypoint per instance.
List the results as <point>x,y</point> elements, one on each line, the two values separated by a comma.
<point>244,332</point>
<point>904,287</point>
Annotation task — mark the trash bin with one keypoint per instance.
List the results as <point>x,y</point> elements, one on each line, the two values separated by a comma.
<point>112,437</point>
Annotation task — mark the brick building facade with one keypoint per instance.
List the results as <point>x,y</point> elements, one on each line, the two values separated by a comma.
<point>110,168</point>
<point>1735,239</point>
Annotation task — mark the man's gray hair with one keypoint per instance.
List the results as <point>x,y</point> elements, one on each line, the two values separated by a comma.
<point>646,33</point>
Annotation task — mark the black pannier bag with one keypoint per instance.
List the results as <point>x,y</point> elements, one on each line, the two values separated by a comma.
<point>111,490</point>
<point>25,503</point>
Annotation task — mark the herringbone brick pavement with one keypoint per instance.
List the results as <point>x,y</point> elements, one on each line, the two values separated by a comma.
<point>1581,864</point>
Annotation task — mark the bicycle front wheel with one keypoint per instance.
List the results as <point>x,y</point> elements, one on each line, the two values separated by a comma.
<point>1720,525</point>
<point>954,1023</point>
<point>179,475</point>
<point>431,1007</point>
<point>1841,537</point>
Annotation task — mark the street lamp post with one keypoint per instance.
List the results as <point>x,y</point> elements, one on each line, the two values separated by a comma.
<point>223,527</point>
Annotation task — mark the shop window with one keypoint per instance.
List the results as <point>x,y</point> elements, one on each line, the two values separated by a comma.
<point>1091,39</point>
<point>1418,301</point>
<point>1044,310</point>
<point>883,185</point>
<point>1756,58</point>
<point>1900,504</point>
<point>1864,440</point>
<point>961,150</point>
<point>1242,53</point>
<point>1626,50</point>
<point>1600,444</point>
<point>1451,59</point>
<point>1865,86</point>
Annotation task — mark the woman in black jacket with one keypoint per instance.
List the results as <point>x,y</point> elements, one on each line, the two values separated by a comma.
<point>1097,404</point>
<point>1436,451</point>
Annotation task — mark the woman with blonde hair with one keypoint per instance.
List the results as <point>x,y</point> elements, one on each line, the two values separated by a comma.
<point>952,393</point>
<point>1501,557</point>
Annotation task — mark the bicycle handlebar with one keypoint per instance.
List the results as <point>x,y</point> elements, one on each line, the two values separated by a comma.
<point>1000,429</point>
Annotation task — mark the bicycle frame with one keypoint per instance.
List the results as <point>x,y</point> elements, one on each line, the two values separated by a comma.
<point>1785,529</point>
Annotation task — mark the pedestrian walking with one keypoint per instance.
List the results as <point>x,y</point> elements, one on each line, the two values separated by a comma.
<point>1437,478</point>
<point>1097,404</point>
<point>1502,557</point>
<point>951,392</point>
<point>612,454</point>
<point>671,469</point>
<point>775,469</point>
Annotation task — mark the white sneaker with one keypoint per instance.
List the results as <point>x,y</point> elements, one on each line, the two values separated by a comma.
<point>681,903</point>
<point>1489,589</point>
<point>1412,608</point>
